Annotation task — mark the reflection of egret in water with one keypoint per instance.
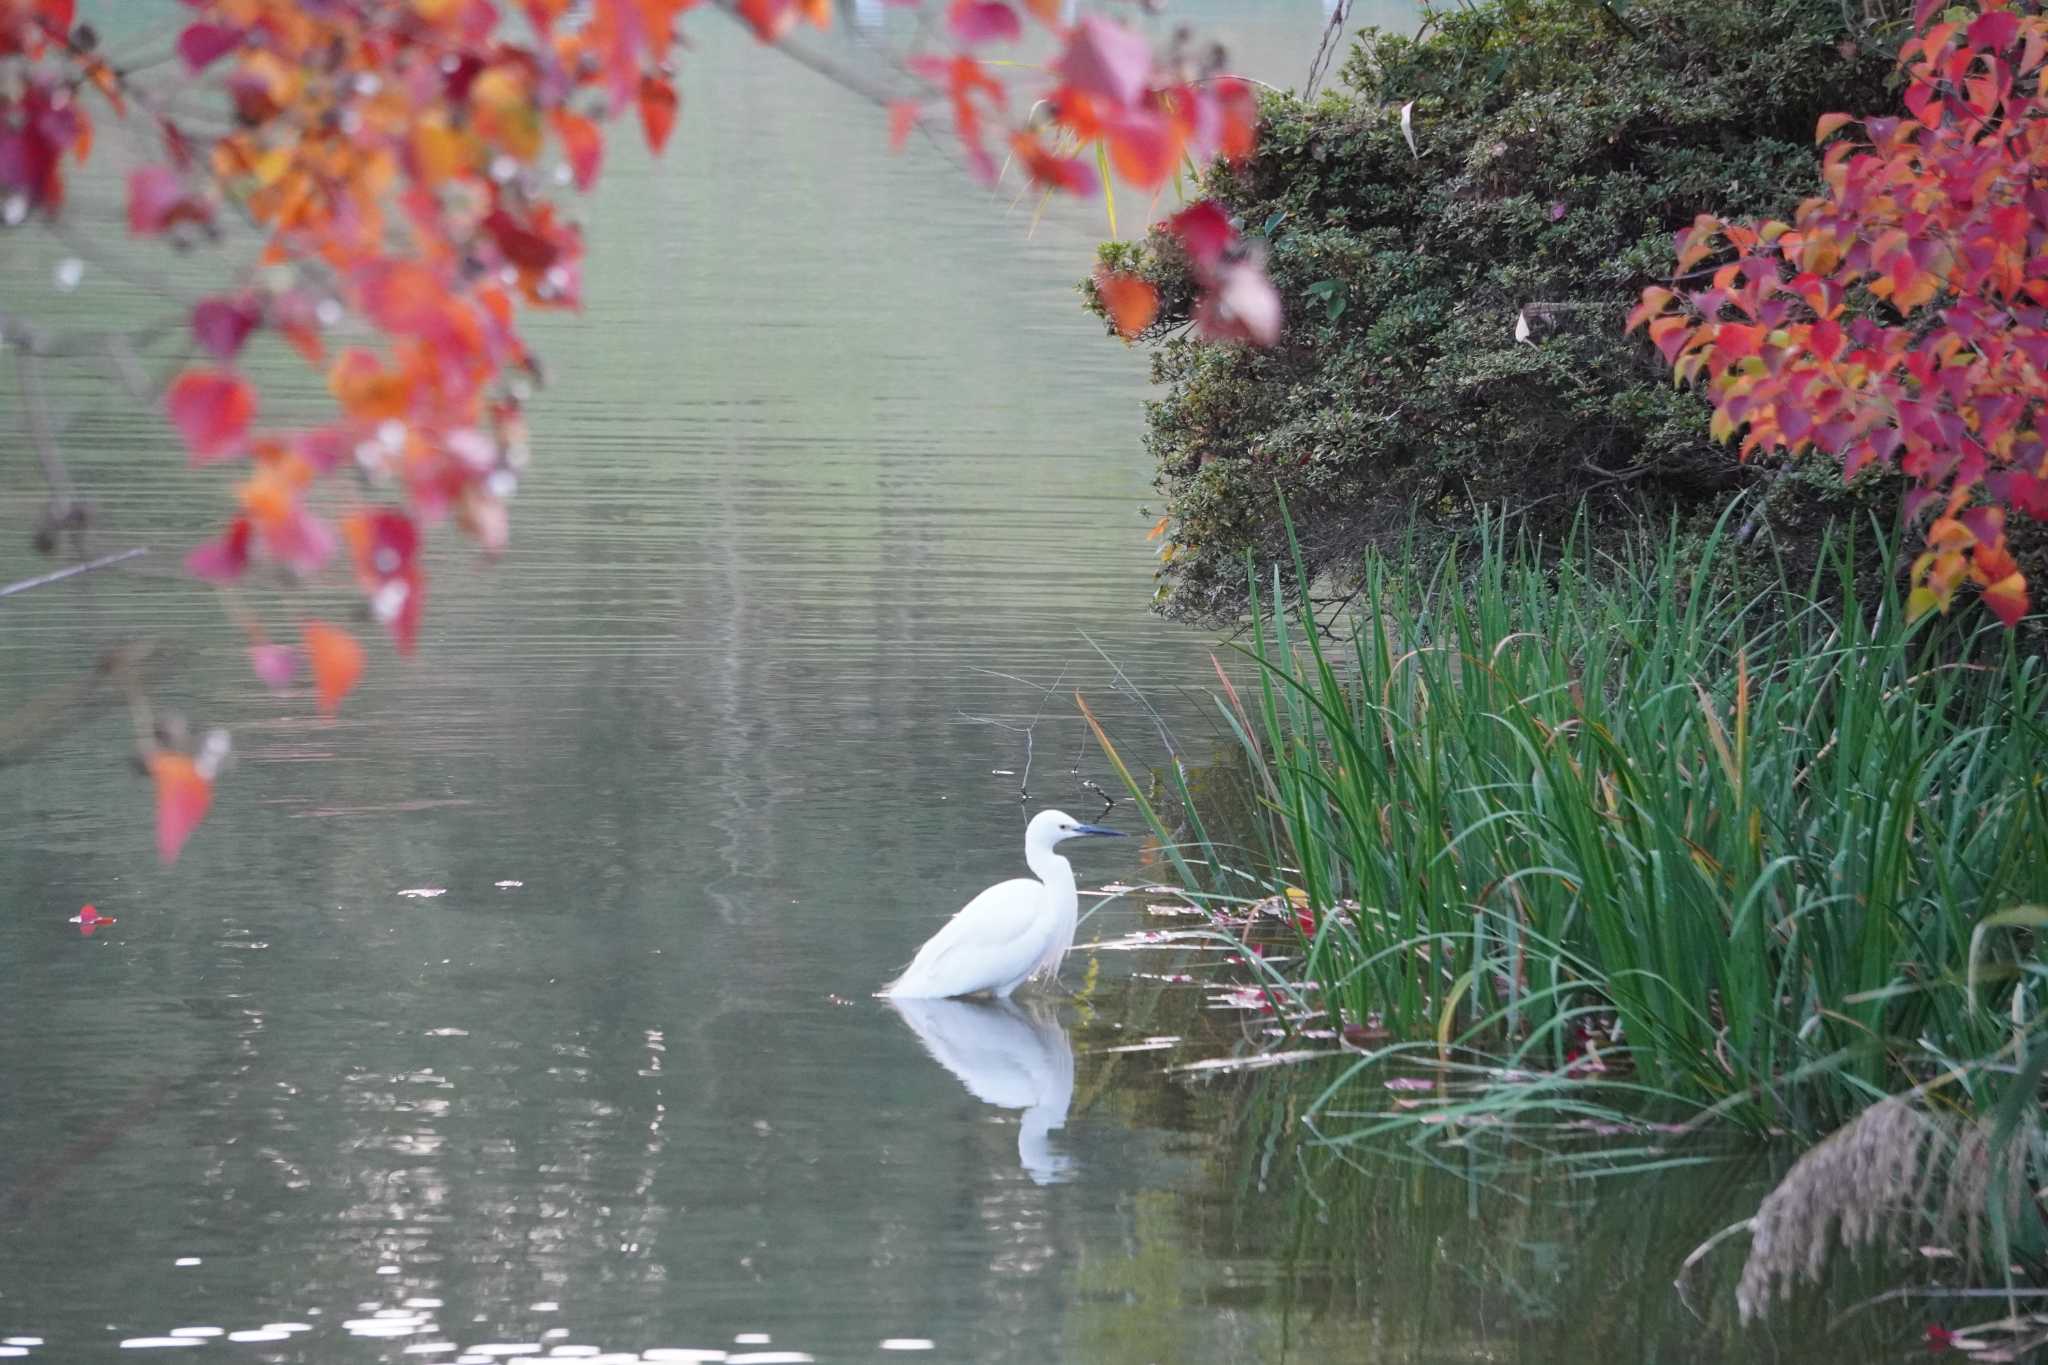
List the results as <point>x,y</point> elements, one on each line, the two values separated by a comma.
<point>1008,1056</point>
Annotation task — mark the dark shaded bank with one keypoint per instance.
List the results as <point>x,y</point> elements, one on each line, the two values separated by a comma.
<point>1454,342</point>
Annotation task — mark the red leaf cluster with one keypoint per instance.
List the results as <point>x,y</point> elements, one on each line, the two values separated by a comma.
<point>399,159</point>
<point>1941,217</point>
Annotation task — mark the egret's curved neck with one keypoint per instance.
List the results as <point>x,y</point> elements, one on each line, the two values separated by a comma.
<point>1050,868</point>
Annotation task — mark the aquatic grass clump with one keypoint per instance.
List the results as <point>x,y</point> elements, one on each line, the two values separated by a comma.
<point>1744,837</point>
<point>1586,857</point>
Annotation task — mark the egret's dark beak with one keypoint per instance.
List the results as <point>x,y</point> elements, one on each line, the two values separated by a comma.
<point>1101,831</point>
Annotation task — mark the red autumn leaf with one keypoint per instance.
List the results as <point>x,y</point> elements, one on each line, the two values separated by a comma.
<point>203,44</point>
<point>157,201</point>
<point>1993,30</point>
<point>182,798</point>
<point>383,541</point>
<point>89,919</point>
<point>983,21</point>
<point>657,111</point>
<point>336,659</point>
<point>770,19</point>
<point>1047,170</point>
<point>582,144</point>
<point>523,246</point>
<point>222,325</point>
<point>1131,303</point>
<point>212,410</point>
<point>1204,230</point>
<point>1105,58</point>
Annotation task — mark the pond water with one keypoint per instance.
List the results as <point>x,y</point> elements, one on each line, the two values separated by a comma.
<point>528,1004</point>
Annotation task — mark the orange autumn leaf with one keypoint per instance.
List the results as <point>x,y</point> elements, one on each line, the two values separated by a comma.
<point>336,659</point>
<point>1130,302</point>
<point>2008,598</point>
<point>366,390</point>
<point>439,152</point>
<point>182,799</point>
<point>582,145</point>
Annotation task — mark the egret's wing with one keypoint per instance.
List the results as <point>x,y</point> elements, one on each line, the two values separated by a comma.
<point>994,938</point>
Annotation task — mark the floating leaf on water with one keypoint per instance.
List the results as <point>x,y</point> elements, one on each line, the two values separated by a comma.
<point>1255,1062</point>
<point>88,919</point>
<point>1149,1045</point>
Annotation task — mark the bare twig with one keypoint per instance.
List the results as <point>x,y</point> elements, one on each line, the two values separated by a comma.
<point>1326,50</point>
<point>73,570</point>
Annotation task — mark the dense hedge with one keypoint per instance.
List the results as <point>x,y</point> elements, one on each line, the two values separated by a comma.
<point>1560,144</point>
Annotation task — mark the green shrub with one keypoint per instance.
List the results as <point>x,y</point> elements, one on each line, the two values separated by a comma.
<point>1558,151</point>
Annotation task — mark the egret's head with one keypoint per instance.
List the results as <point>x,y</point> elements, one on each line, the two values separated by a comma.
<point>1048,827</point>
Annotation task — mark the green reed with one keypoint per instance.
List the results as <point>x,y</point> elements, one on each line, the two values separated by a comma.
<point>1536,796</point>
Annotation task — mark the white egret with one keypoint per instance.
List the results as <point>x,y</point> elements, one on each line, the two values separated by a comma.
<point>1011,1056</point>
<point>1009,933</point>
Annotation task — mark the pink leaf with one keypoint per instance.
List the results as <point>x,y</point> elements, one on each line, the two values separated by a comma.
<point>223,560</point>
<point>203,44</point>
<point>1107,59</point>
<point>222,325</point>
<point>299,540</point>
<point>1240,305</point>
<point>275,664</point>
<point>157,201</point>
<point>983,21</point>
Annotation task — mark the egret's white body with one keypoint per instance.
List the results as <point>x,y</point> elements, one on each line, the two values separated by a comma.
<point>1008,1056</point>
<point>1011,932</point>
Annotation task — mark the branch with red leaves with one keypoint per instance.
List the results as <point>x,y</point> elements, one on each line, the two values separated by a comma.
<point>387,155</point>
<point>1941,218</point>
